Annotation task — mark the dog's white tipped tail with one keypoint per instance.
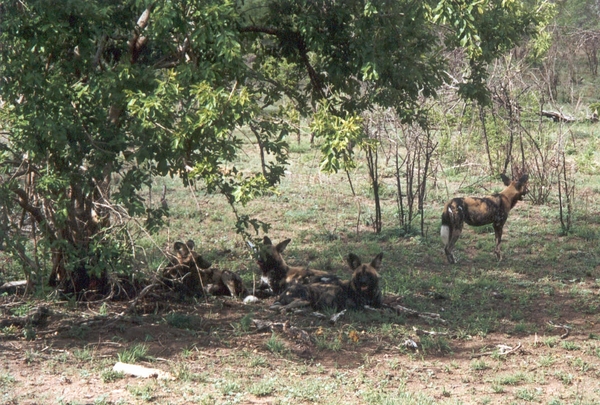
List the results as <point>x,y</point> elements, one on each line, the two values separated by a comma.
<point>445,234</point>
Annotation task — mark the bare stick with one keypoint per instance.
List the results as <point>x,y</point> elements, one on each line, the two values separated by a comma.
<point>566,328</point>
<point>503,350</point>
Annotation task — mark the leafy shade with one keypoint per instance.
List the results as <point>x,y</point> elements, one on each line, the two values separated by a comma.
<point>101,96</point>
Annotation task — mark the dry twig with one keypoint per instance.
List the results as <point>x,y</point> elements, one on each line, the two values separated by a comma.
<point>566,328</point>
<point>432,316</point>
<point>503,350</point>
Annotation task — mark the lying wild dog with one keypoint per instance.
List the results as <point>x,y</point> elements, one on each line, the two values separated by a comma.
<point>318,296</point>
<point>364,284</point>
<point>197,275</point>
<point>277,275</point>
<point>362,289</point>
<point>475,211</point>
<point>223,282</point>
<point>185,267</point>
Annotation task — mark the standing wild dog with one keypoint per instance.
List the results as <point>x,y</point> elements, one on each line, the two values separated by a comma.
<point>196,274</point>
<point>362,289</point>
<point>277,275</point>
<point>492,209</point>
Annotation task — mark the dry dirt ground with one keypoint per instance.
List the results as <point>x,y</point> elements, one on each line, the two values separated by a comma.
<point>215,354</point>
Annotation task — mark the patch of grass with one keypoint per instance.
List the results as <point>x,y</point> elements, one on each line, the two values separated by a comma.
<point>183,321</point>
<point>10,331</point>
<point>437,344</point>
<point>328,340</point>
<point>104,310</point>
<point>143,392</point>
<point>79,332</point>
<point>109,375</point>
<point>22,310</point>
<point>479,365</point>
<point>569,345</point>
<point>400,397</point>
<point>134,354</point>
<point>511,379</point>
<point>275,345</point>
<point>31,356</point>
<point>6,379</point>
<point>102,400</point>
<point>587,233</point>
<point>244,325</point>
<point>546,361</point>
<point>228,387</point>
<point>521,327</point>
<point>189,352</point>
<point>183,373</point>
<point>497,388</point>
<point>564,377</point>
<point>263,388</point>
<point>580,364</point>
<point>482,325</point>
<point>84,354</point>
<point>551,341</point>
<point>526,394</point>
<point>310,389</point>
<point>258,361</point>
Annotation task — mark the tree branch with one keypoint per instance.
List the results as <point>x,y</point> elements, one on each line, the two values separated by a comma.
<point>300,44</point>
<point>137,41</point>
<point>23,201</point>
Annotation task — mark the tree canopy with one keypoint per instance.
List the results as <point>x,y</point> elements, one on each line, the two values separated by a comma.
<point>98,97</point>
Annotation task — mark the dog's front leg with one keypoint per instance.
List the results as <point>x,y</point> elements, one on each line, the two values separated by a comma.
<point>455,232</point>
<point>498,232</point>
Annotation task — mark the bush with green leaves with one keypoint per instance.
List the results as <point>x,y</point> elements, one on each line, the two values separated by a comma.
<point>100,97</point>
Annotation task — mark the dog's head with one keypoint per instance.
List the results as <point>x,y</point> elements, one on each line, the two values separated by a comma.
<point>364,284</point>
<point>271,264</point>
<point>269,256</point>
<point>184,254</point>
<point>515,189</point>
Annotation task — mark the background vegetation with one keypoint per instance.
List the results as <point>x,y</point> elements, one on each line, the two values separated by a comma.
<point>219,128</point>
<point>100,98</point>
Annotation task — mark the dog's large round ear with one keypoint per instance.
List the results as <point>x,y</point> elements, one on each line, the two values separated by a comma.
<point>267,241</point>
<point>180,247</point>
<point>282,245</point>
<point>353,261</point>
<point>505,179</point>
<point>190,244</point>
<point>376,262</point>
<point>524,179</point>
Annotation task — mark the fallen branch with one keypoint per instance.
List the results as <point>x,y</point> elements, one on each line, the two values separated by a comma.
<point>411,344</point>
<point>335,317</point>
<point>557,116</point>
<point>12,287</point>
<point>141,371</point>
<point>292,331</point>
<point>421,332</point>
<point>432,316</point>
<point>566,328</point>
<point>503,350</point>
<point>141,295</point>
